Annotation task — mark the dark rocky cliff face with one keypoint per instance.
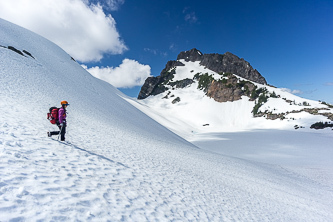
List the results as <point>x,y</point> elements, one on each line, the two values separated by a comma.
<point>153,85</point>
<point>226,63</point>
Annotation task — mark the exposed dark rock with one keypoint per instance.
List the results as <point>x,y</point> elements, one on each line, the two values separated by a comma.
<point>229,90</point>
<point>167,96</point>
<point>151,87</point>
<point>156,85</point>
<point>28,53</point>
<point>226,63</point>
<point>18,51</point>
<point>182,83</point>
<point>321,125</point>
<point>171,64</point>
<point>176,100</point>
<point>313,111</point>
<point>15,50</point>
<point>191,55</point>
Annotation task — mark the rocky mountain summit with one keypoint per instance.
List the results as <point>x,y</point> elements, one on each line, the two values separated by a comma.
<point>221,79</point>
<point>227,63</point>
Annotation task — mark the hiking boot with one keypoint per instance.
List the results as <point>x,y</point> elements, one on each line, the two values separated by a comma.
<point>48,134</point>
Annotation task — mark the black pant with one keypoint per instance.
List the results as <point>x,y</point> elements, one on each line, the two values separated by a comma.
<point>62,132</point>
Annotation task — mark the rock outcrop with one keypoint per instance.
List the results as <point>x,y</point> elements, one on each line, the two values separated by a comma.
<point>153,85</point>
<point>229,90</point>
<point>226,63</point>
<point>24,53</point>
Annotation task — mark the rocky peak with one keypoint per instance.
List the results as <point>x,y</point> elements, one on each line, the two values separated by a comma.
<point>230,63</point>
<point>154,85</point>
<point>190,56</point>
<point>226,63</point>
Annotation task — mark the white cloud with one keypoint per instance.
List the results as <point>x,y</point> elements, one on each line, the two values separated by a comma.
<point>81,29</point>
<point>190,16</point>
<point>129,74</point>
<point>156,52</point>
<point>295,91</point>
<point>114,4</point>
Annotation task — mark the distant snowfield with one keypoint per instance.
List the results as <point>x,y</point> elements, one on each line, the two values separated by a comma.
<point>121,165</point>
<point>305,152</point>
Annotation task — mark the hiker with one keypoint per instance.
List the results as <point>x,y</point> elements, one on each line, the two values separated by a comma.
<point>60,121</point>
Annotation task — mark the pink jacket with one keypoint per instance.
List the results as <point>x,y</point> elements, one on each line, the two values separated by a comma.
<point>62,115</point>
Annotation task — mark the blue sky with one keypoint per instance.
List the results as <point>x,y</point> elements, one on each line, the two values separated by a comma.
<point>289,42</point>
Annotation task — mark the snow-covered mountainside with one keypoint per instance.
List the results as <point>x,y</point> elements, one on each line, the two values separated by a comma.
<point>190,94</point>
<point>118,164</point>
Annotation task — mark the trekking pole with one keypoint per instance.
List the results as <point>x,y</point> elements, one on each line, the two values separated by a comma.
<point>60,132</point>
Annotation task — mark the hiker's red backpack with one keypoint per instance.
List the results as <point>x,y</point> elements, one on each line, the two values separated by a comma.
<point>53,115</point>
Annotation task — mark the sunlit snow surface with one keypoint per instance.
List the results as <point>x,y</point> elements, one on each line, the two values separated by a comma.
<point>120,165</point>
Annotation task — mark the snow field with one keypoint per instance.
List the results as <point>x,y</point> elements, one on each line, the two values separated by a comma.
<point>119,164</point>
<point>45,179</point>
<point>190,69</point>
<point>49,180</point>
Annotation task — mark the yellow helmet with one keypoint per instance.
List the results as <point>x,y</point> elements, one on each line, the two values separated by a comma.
<point>64,103</point>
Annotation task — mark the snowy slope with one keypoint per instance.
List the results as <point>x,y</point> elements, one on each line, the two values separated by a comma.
<point>119,164</point>
<point>197,113</point>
